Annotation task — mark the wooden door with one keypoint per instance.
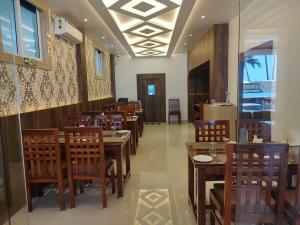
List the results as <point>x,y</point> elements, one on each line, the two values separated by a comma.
<point>152,93</point>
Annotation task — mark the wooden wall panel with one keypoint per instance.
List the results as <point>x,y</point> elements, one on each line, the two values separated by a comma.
<point>213,47</point>
<point>55,117</point>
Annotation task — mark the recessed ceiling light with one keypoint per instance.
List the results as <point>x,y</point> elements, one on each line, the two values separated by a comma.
<point>191,35</point>
<point>103,37</point>
<point>85,20</point>
<point>203,17</point>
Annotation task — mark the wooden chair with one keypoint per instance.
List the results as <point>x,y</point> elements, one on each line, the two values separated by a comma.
<point>86,160</point>
<point>253,173</point>
<point>256,127</point>
<point>174,109</point>
<point>211,130</point>
<point>123,115</point>
<point>110,107</point>
<point>92,114</point>
<point>103,121</point>
<point>116,121</point>
<point>42,160</point>
<point>137,103</point>
<point>132,107</point>
<point>76,121</point>
<point>292,201</point>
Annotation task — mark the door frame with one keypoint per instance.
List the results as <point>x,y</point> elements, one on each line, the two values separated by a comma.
<point>162,77</point>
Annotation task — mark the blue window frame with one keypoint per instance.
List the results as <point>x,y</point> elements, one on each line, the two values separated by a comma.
<point>30,29</point>
<point>8,26</point>
<point>20,28</point>
<point>99,62</point>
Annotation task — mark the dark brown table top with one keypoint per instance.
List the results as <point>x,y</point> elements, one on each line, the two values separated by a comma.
<point>197,148</point>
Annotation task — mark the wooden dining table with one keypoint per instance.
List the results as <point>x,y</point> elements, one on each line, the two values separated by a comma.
<point>116,145</point>
<point>210,171</point>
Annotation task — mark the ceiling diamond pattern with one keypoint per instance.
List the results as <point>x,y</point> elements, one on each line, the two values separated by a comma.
<point>145,11</point>
<point>150,52</point>
<point>147,30</point>
<point>149,44</point>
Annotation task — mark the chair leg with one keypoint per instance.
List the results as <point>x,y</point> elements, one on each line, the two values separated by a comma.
<point>179,116</point>
<point>81,187</point>
<point>113,183</point>
<point>212,218</point>
<point>72,195</point>
<point>61,194</point>
<point>103,192</point>
<point>75,187</point>
<point>29,197</point>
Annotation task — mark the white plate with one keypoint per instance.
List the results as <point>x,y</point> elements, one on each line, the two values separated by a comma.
<point>203,158</point>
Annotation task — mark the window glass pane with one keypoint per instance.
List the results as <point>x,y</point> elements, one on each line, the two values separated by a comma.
<point>30,30</point>
<point>151,89</point>
<point>259,81</point>
<point>99,62</point>
<point>8,26</point>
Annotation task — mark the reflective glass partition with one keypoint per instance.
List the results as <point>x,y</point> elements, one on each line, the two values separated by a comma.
<point>13,207</point>
<point>268,100</point>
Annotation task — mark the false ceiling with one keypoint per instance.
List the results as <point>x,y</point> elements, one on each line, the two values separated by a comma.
<point>145,27</point>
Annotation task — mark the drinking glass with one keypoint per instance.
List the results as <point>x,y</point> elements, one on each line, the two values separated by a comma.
<point>213,150</point>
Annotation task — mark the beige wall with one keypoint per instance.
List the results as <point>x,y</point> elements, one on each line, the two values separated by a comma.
<point>26,89</point>
<point>279,21</point>
<point>98,88</point>
<point>39,88</point>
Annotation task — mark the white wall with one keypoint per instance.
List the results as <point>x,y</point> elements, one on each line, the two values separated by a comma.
<point>277,20</point>
<point>174,67</point>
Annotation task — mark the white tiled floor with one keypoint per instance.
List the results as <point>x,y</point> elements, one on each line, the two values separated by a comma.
<point>156,193</point>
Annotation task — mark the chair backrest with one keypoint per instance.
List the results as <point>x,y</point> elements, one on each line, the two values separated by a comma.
<point>256,127</point>
<point>92,114</point>
<point>85,152</point>
<point>110,107</point>
<point>132,108</point>
<point>256,172</point>
<point>103,121</point>
<point>137,102</point>
<point>122,113</point>
<point>174,105</point>
<point>42,157</point>
<point>116,121</point>
<point>77,121</point>
<point>211,130</point>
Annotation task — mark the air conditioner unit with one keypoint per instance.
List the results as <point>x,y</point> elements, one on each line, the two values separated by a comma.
<point>66,30</point>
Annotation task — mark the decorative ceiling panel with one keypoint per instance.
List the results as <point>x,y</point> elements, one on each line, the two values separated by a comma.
<point>149,44</point>
<point>145,27</point>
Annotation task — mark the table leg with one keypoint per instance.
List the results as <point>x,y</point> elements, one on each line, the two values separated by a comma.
<point>128,169</point>
<point>201,206</point>
<point>134,142</point>
<point>137,132</point>
<point>119,173</point>
<point>191,182</point>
